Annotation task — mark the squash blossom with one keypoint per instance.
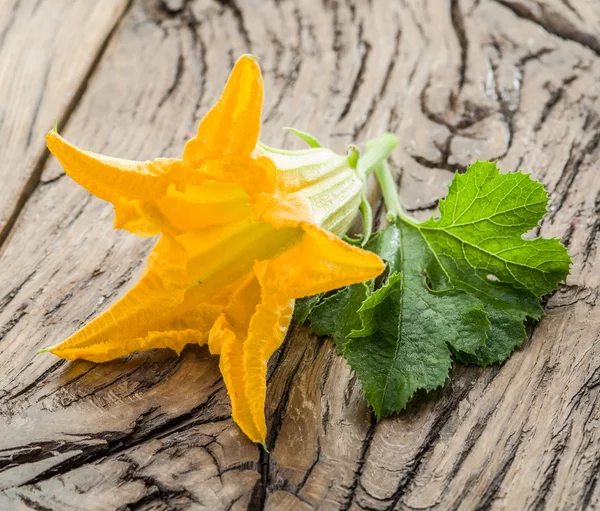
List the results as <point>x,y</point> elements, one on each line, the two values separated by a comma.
<point>245,230</point>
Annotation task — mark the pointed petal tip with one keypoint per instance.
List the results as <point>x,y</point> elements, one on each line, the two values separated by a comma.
<point>250,56</point>
<point>50,136</point>
<point>54,143</point>
<point>373,266</point>
<point>264,446</point>
<point>231,126</point>
<point>44,350</point>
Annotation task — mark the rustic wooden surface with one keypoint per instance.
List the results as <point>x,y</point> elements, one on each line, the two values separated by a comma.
<point>513,80</point>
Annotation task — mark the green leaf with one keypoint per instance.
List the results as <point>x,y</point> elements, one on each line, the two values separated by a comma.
<point>479,233</point>
<point>459,285</point>
<point>507,332</point>
<point>304,306</point>
<point>478,247</point>
<point>336,315</point>
<point>408,329</point>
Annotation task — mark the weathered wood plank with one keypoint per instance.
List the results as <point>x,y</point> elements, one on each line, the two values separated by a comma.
<point>456,80</point>
<point>47,50</point>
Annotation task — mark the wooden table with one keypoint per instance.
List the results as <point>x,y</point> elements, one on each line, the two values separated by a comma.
<point>456,80</point>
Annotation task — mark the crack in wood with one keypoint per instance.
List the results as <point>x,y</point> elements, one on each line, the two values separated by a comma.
<point>39,103</point>
<point>491,491</point>
<point>454,399</point>
<point>458,24</point>
<point>590,484</point>
<point>360,464</point>
<point>364,49</point>
<point>116,442</point>
<point>156,491</point>
<point>37,381</point>
<point>7,298</point>
<point>383,89</point>
<point>570,171</point>
<point>555,97</point>
<point>258,497</point>
<point>292,75</point>
<point>239,18</point>
<point>179,70</point>
<point>554,24</point>
<point>30,503</point>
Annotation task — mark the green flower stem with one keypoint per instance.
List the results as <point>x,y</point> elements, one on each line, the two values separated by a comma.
<point>367,218</point>
<point>389,191</point>
<point>375,158</point>
<point>377,151</point>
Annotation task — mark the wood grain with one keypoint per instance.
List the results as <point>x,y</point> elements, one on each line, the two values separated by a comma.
<point>513,80</point>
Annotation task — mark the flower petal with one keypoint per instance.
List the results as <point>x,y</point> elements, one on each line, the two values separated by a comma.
<point>266,332</point>
<point>230,129</point>
<point>283,210</point>
<point>253,175</point>
<point>238,312</point>
<point>318,263</point>
<point>109,350</point>
<point>232,369</point>
<point>208,204</point>
<point>249,330</point>
<point>221,254</point>
<point>145,308</point>
<point>227,338</point>
<point>143,218</point>
<point>111,178</point>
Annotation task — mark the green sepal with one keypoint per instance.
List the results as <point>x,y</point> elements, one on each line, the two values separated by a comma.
<point>307,137</point>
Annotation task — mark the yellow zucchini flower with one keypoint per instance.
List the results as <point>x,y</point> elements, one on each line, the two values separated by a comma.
<point>245,230</point>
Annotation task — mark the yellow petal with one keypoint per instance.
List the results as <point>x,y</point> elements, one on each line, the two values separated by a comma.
<point>111,178</point>
<point>249,330</point>
<point>230,129</point>
<point>258,176</point>
<point>282,211</point>
<point>143,218</point>
<point>221,254</point>
<point>266,332</point>
<point>201,206</point>
<point>241,308</point>
<point>145,308</point>
<point>231,364</point>
<point>109,350</point>
<point>252,175</point>
<point>208,204</point>
<point>318,263</point>
<point>227,338</point>
<point>188,322</point>
<point>237,313</point>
